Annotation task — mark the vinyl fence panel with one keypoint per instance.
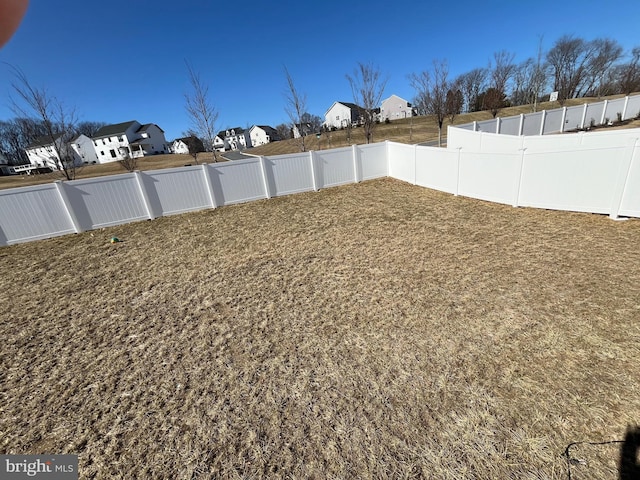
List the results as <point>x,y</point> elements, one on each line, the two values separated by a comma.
<point>532,123</point>
<point>402,163</point>
<point>237,182</point>
<point>176,190</point>
<point>489,176</point>
<point>552,121</point>
<point>334,167</point>
<point>510,125</point>
<point>289,174</point>
<point>573,118</point>
<point>372,160</point>
<point>32,213</point>
<point>630,204</point>
<point>106,201</point>
<point>580,180</point>
<point>437,168</point>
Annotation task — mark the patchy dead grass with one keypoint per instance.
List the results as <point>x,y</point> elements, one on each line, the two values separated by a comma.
<point>376,330</point>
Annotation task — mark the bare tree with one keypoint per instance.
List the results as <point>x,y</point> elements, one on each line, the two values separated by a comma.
<point>201,111</point>
<point>58,121</point>
<point>472,84</point>
<point>502,70</point>
<point>568,59</point>
<point>314,122</point>
<point>529,81</point>
<point>605,54</point>
<point>501,73</point>
<point>89,128</point>
<point>296,106</point>
<point>629,73</point>
<point>128,161</point>
<point>493,100</point>
<point>431,92</point>
<point>16,135</point>
<point>284,131</point>
<point>454,101</point>
<point>367,86</point>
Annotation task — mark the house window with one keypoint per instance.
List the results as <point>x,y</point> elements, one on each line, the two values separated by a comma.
<point>102,153</point>
<point>103,142</point>
<point>95,143</point>
<point>113,153</point>
<point>337,117</point>
<point>121,138</point>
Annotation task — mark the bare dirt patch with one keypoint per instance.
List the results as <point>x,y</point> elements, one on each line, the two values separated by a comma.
<point>376,330</point>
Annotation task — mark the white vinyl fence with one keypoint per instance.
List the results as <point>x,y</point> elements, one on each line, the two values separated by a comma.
<point>561,119</point>
<point>596,172</point>
<point>43,211</point>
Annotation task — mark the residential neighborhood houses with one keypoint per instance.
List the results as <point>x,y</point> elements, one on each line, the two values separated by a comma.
<point>262,134</point>
<point>132,139</point>
<point>395,108</point>
<point>342,114</point>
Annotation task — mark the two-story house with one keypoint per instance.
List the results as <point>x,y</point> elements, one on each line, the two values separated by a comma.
<point>262,134</point>
<point>235,139</point>
<point>342,114</point>
<point>115,142</point>
<point>182,145</point>
<point>395,108</point>
<point>43,153</point>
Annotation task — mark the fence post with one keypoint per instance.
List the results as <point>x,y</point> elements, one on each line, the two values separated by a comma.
<point>357,175</point>
<point>458,172</point>
<point>519,173</point>
<point>521,126</point>
<point>624,109</point>
<point>312,161</point>
<point>584,115</point>
<point>265,181</point>
<point>543,118</point>
<point>207,180</point>
<point>604,112</point>
<point>498,124</point>
<point>67,206</point>
<point>415,164</point>
<point>623,177</point>
<point>143,194</point>
<point>563,119</point>
<point>475,126</point>
<point>386,151</point>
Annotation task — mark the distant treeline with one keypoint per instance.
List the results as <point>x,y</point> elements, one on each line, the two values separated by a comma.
<point>18,133</point>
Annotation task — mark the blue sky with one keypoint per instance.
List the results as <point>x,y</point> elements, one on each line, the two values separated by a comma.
<point>122,60</point>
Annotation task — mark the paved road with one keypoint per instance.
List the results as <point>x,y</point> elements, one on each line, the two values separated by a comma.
<point>235,155</point>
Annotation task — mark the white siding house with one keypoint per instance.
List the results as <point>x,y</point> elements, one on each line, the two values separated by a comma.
<point>115,142</point>
<point>218,142</point>
<point>395,108</point>
<point>262,134</point>
<point>340,114</point>
<point>83,148</point>
<point>42,153</point>
<point>235,139</point>
<point>181,145</point>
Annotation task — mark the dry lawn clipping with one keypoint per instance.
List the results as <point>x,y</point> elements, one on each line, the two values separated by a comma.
<point>376,330</point>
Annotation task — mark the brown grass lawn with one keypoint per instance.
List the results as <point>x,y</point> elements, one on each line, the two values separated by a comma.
<point>376,330</point>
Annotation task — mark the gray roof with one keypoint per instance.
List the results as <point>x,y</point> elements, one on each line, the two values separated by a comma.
<point>43,141</point>
<point>115,129</point>
<point>146,126</point>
